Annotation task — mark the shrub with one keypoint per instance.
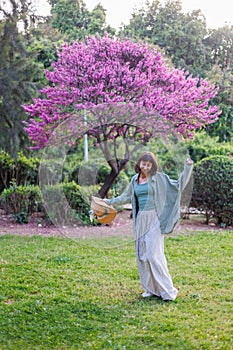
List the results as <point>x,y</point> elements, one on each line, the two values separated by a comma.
<point>7,167</point>
<point>213,190</point>
<point>21,201</point>
<point>21,170</point>
<point>68,202</point>
<point>205,146</point>
<point>200,152</point>
<point>26,170</point>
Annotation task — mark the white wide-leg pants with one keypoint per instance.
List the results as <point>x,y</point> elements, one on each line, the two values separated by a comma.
<point>152,263</point>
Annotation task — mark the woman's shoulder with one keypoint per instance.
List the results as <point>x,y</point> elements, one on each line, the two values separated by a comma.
<point>134,177</point>
<point>159,175</point>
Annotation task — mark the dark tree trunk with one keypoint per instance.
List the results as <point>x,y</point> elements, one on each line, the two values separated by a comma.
<point>110,178</point>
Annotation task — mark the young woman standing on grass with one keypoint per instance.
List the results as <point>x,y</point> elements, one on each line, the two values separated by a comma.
<point>155,202</point>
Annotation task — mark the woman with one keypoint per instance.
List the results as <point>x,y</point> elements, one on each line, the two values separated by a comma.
<point>155,202</point>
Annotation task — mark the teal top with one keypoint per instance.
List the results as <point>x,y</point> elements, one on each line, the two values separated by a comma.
<point>145,196</point>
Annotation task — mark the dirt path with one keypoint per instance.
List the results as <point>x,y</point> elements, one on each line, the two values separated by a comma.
<point>122,225</point>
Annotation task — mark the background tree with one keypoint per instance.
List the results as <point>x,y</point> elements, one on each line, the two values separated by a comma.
<point>43,44</point>
<point>180,35</point>
<point>128,92</point>
<point>220,42</point>
<point>17,72</point>
<point>75,21</point>
<point>185,39</point>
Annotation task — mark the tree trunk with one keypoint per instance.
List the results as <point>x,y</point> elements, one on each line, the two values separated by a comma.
<point>109,180</point>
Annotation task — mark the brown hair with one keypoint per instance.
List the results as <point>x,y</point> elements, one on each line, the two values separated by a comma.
<point>147,157</point>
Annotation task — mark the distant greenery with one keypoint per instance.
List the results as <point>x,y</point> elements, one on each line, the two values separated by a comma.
<point>82,294</point>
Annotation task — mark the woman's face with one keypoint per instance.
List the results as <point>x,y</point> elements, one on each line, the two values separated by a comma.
<point>145,167</point>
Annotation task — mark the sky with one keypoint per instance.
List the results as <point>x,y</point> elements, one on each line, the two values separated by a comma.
<point>217,13</point>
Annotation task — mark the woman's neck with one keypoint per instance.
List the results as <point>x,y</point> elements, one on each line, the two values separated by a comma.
<point>143,178</point>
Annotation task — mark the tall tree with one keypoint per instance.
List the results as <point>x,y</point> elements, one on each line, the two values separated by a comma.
<point>180,35</point>
<point>75,21</point>
<point>220,42</point>
<point>17,72</point>
<point>128,93</point>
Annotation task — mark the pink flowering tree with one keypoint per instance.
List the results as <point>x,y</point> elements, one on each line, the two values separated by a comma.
<point>126,91</point>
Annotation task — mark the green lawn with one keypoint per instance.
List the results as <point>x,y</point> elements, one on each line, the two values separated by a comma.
<point>59,293</point>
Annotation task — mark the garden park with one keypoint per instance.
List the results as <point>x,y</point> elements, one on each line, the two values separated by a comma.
<point>79,101</point>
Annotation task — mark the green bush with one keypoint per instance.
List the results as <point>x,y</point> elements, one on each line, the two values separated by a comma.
<point>21,201</point>
<point>26,170</point>
<point>205,146</point>
<point>213,191</point>
<point>21,170</point>
<point>7,166</point>
<point>68,202</point>
<point>200,152</point>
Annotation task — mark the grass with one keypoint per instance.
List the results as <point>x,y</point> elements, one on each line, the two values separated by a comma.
<point>62,294</point>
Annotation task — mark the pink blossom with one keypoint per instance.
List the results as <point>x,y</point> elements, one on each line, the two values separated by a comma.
<point>128,81</point>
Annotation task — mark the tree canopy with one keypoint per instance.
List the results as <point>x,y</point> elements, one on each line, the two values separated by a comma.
<point>75,21</point>
<point>121,84</point>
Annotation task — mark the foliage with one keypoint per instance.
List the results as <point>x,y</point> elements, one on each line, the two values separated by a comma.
<point>180,35</point>
<point>7,167</point>
<point>69,16</point>
<point>223,76</point>
<point>213,190</point>
<point>72,18</point>
<point>221,42</point>
<point>171,155</point>
<point>23,170</point>
<point>17,74</point>
<point>185,38</point>
<point>89,173</point>
<point>71,210</point>
<point>21,201</point>
<point>26,169</point>
<point>44,41</point>
<point>95,173</point>
<point>73,294</point>
<point>203,146</point>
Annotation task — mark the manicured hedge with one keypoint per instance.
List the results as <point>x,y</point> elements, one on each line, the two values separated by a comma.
<point>21,170</point>
<point>21,201</point>
<point>213,190</point>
